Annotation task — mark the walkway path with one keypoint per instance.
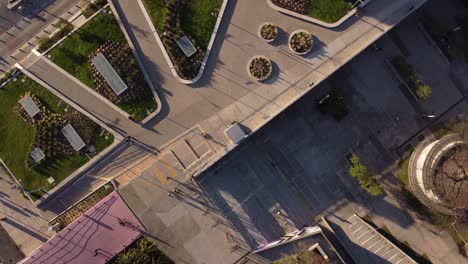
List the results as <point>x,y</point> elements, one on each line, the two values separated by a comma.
<point>19,217</point>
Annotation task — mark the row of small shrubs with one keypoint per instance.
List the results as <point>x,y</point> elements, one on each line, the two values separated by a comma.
<point>92,8</point>
<point>365,179</point>
<point>413,79</point>
<point>46,42</point>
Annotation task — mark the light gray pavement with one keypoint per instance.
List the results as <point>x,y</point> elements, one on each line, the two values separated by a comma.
<point>184,106</point>
<point>228,92</point>
<point>22,30</point>
<point>374,247</point>
<point>20,217</point>
<point>186,226</point>
<point>310,149</point>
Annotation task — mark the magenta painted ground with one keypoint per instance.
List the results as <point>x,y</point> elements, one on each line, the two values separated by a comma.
<point>95,237</point>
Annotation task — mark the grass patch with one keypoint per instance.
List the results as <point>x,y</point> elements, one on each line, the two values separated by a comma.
<point>17,138</point>
<point>73,53</point>
<point>329,11</point>
<point>403,173</point>
<point>157,11</point>
<point>197,19</point>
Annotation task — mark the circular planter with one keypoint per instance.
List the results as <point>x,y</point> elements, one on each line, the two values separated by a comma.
<point>259,68</point>
<point>268,31</point>
<point>303,40</point>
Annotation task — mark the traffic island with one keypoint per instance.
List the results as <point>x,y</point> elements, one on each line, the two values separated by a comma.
<point>45,140</point>
<point>185,32</point>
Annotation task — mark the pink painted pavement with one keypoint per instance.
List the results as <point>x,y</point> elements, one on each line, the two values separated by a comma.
<point>95,237</point>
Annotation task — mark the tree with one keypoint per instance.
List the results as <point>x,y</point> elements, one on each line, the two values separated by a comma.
<point>366,181</point>
<point>424,91</point>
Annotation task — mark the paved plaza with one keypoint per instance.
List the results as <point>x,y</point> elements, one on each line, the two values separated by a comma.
<point>292,171</point>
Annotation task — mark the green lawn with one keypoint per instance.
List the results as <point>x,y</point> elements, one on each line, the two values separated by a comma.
<point>328,11</point>
<point>73,53</point>
<point>156,10</point>
<point>403,173</point>
<point>196,19</point>
<point>17,137</point>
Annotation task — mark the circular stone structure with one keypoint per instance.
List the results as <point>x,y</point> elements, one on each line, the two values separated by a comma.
<point>438,174</point>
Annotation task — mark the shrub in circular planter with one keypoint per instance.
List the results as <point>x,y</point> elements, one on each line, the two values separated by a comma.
<point>259,67</point>
<point>268,31</point>
<point>301,42</point>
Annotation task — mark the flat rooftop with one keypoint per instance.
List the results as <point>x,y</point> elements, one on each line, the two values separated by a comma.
<point>95,237</point>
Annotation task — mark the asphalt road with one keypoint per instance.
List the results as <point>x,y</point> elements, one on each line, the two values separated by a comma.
<point>18,27</point>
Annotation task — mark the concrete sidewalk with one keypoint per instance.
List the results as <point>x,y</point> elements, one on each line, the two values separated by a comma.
<point>20,217</point>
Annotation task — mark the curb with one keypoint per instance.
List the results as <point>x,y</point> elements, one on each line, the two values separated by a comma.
<point>96,94</point>
<point>68,101</point>
<point>140,62</point>
<point>163,49</point>
<point>70,179</point>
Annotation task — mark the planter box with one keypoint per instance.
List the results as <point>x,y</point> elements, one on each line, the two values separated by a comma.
<point>298,31</point>
<point>166,55</point>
